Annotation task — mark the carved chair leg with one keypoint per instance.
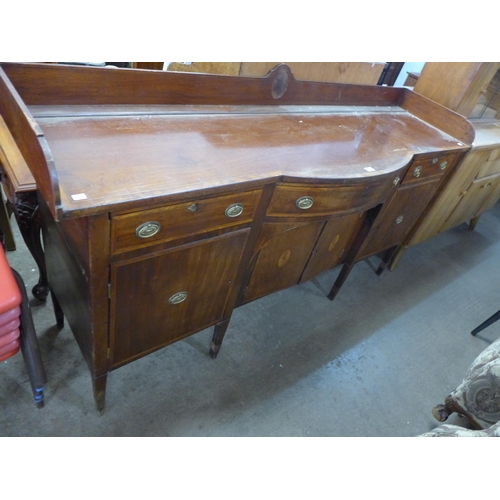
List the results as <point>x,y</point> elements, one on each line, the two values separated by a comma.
<point>29,220</point>
<point>218,337</point>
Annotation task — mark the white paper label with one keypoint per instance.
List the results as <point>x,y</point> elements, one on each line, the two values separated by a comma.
<point>79,196</point>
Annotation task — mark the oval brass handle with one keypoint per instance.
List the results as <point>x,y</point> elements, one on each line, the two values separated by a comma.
<point>417,172</point>
<point>399,220</point>
<point>234,210</point>
<point>443,165</point>
<point>178,297</point>
<point>304,202</point>
<point>435,160</point>
<point>147,229</point>
<point>395,181</point>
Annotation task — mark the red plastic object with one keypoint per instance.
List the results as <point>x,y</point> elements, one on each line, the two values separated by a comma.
<point>10,300</point>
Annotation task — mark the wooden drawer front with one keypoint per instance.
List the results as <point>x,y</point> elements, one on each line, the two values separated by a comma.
<point>491,165</point>
<point>426,166</point>
<point>158,300</point>
<point>182,220</point>
<point>397,219</point>
<point>306,201</point>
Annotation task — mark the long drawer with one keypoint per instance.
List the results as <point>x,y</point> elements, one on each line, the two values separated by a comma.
<point>139,229</point>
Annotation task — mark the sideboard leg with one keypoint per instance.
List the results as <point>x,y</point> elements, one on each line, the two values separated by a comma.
<point>386,260</point>
<point>57,311</point>
<point>344,273</point>
<point>29,220</point>
<point>99,386</point>
<point>218,337</point>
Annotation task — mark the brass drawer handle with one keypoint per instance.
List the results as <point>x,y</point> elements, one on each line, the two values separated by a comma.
<point>147,229</point>
<point>234,210</point>
<point>178,297</point>
<point>443,165</point>
<point>399,220</point>
<point>435,160</point>
<point>304,202</point>
<point>396,181</point>
<point>417,172</point>
<point>194,207</point>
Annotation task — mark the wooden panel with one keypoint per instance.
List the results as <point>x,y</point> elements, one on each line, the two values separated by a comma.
<point>282,259</point>
<point>147,65</point>
<point>30,141</point>
<point>333,245</point>
<point>327,200</point>
<point>13,162</point>
<point>214,68</point>
<point>398,217</point>
<point>366,73</point>
<point>456,85</point>
<point>58,84</point>
<point>184,219</point>
<point>81,289</point>
<point>144,314</point>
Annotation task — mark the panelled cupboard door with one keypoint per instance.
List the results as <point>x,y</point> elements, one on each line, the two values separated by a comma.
<point>396,220</point>
<point>481,195</point>
<point>282,259</point>
<point>161,298</point>
<point>333,245</point>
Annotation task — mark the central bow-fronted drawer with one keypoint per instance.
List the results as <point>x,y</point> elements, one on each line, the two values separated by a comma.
<point>157,225</point>
<point>301,200</point>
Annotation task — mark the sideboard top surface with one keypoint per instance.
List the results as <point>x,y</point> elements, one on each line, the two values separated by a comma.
<point>115,158</point>
<point>99,140</point>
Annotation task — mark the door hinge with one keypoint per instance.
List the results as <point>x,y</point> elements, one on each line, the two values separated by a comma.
<point>109,290</point>
<point>107,353</point>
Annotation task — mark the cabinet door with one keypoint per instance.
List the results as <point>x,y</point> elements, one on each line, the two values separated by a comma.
<point>281,260</point>
<point>396,219</point>
<point>333,245</point>
<point>161,298</point>
<point>480,196</point>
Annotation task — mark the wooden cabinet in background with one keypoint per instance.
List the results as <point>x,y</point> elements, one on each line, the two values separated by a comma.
<point>473,189</point>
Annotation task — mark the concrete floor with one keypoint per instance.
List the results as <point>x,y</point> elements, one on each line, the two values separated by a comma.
<point>372,363</point>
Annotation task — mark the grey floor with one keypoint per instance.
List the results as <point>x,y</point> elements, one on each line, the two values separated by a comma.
<point>372,363</point>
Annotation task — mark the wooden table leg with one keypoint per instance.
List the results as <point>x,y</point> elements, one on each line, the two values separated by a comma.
<point>99,387</point>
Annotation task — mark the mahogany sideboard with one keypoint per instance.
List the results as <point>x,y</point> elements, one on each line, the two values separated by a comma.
<point>169,199</point>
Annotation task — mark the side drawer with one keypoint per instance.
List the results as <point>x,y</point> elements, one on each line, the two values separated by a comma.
<point>139,229</point>
<point>301,200</point>
<point>491,165</point>
<point>427,166</point>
